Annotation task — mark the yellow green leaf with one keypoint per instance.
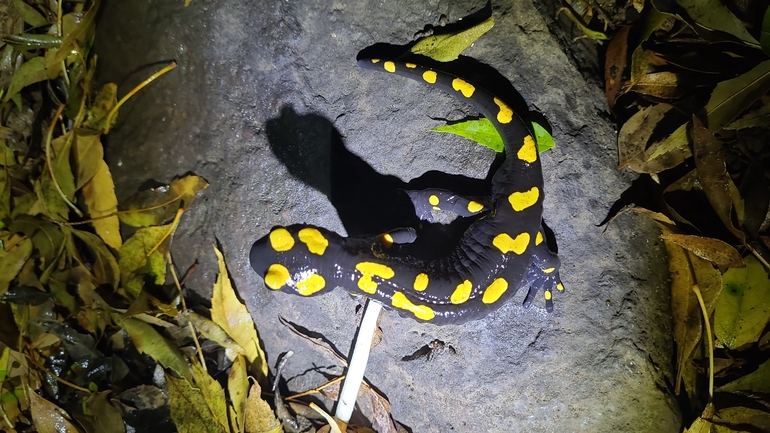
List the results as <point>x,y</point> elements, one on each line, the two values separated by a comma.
<point>88,151</point>
<point>543,138</point>
<point>743,309</point>
<point>237,390</point>
<point>12,258</point>
<point>48,417</point>
<point>230,314</point>
<point>29,14</point>
<point>100,200</point>
<point>60,163</point>
<point>143,254</point>
<point>447,47</point>
<point>259,416</point>
<point>81,31</point>
<point>5,195</point>
<point>756,381</point>
<point>188,408</point>
<point>50,202</point>
<point>106,99</point>
<point>213,394</point>
<point>157,205</point>
<point>32,71</point>
<point>148,341</point>
<point>700,425</point>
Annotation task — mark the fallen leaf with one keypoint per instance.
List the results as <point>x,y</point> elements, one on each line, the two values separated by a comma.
<point>148,341</point>
<point>713,250</point>
<point>447,47</point>
<point>100,200</point>
<point>237,390</point>
<point>12,258</point>
<point>756,381</point>
<point>88,152</point>
<point>143,254</point>
<point>29,14</point>
<point>213,394</point>
<point>743,309</point>
<point>48,417</point>
<point>188,408</point>
<point>106,99</point>
<point>259,417</point>
<point>158,205</point>
<point>714,15</point>
<point>230,314</point>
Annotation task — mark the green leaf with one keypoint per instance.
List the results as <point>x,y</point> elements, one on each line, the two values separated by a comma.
<point>29,14</point>
<point>743,309</point>
<point>481,131</point>
<point>543,138</point>
<point>728,100</point>
<point>447,47</point>
<point>484,133</point>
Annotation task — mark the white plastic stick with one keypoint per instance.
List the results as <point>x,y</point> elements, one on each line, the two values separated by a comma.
<point>358,360</point>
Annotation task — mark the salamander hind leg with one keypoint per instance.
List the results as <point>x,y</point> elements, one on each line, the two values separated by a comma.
<point>542,274</point>
<point>425,201</point>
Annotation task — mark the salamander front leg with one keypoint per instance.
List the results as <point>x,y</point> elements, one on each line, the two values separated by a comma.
<point>425,201</point>
<point>543,274</point>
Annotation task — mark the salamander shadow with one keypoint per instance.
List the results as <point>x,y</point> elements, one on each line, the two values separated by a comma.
<point>368,203</point>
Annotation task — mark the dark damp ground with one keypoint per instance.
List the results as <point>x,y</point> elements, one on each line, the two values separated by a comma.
<point>265,90</point>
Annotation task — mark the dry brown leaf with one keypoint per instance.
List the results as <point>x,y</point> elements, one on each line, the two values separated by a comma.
<point>48,417</point>
<point>713,250</point>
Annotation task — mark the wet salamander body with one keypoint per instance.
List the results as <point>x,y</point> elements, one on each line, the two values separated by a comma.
<point>502,251</point>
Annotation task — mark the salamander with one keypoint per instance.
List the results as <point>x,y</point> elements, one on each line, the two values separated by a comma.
<point>501,251</point>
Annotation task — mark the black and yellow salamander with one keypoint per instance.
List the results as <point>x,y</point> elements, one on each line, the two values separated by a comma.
<point>502,250</point>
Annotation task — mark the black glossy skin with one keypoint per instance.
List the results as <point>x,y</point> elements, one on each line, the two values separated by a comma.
<point>474,259</point>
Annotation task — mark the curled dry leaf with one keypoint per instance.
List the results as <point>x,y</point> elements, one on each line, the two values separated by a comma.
<point>713,250</point>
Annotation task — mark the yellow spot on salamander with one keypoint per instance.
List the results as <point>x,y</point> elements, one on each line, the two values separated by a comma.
<point>560,287</point>
<point>386,239</point>
<point>474,206</point>
<point>539,238</point>
<point>281,240</point>
<point>505,115</point>
<point>528,151</point>
<point>429,77</point>
<point>506,244</point>
<point>463,87</point>
<point>378,269</point>
<point>315,241</point>
<point>421,282</point>
<point>494,291</point>
<point>461,293</point>
<point>375,60</point>
<point>277,276</point>
<point>410,65</point>
<point>422,312</point>
<point>310,285</point>
<point>390,66</point>
<point>548,270</point>
<point>433,199</point>
<point>522,200</point>
<point>547,294</point>
<point>366,284</point>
